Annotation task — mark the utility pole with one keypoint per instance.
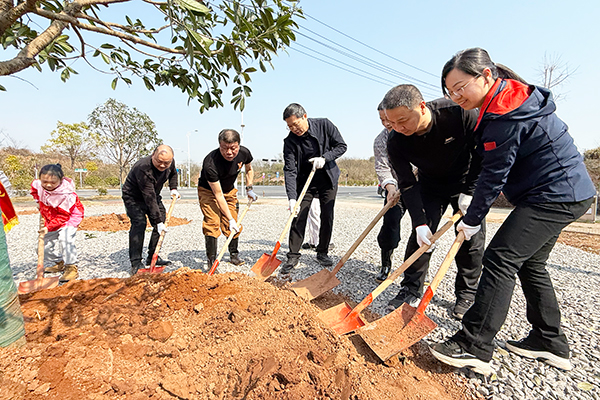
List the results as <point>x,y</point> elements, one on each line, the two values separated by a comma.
<point>188,160</point>
<point>241,140</point>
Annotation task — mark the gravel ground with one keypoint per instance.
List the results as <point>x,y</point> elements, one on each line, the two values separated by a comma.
<point>575,273</point>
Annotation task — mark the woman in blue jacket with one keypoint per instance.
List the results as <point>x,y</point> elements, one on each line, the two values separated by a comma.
<point>529,155</point>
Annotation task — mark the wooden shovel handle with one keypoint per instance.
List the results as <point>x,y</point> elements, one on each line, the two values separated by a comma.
<point>362,236</point>
<point>40,249</point>
<point>297,206</point>
<point>229,239</point>
<point>384,285</point>
<point>168,217</point>
<point>441,272</point>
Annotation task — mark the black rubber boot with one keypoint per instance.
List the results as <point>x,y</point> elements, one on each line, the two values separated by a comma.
<point>234,253</point>
<point>211,249</point>
<point>386,265</point>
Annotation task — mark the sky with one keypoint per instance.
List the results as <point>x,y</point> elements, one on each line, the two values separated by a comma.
<point>411,39</point>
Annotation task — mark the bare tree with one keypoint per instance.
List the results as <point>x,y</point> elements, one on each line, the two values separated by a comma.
<point>554,73</point>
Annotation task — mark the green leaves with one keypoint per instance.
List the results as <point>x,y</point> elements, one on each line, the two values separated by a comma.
<point>195,6</point>
<point>199,51</point>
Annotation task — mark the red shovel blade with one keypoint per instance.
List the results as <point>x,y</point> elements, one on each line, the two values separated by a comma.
<point>153,268</point>
<point>337,319</point>
<point>265,266</point>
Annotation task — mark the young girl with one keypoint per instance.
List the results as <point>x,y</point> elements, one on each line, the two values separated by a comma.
<point>62,212</point>
<point>529,155</point>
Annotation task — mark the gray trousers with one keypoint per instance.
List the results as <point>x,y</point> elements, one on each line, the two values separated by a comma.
<point>60,246</point>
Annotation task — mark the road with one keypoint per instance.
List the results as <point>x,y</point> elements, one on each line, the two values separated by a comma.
<point>361,193</point>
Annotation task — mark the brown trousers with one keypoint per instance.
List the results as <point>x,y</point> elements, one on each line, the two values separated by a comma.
<point>213,219</point>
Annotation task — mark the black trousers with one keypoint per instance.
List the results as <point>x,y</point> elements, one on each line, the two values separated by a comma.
<point>322,188</point>
<point>137,212</point>
<point>468,259</point>
<point>389,234</point>
<point>521,247</point>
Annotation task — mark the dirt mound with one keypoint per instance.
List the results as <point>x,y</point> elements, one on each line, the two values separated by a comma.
<point>187,335</point>
<point>118,222</point>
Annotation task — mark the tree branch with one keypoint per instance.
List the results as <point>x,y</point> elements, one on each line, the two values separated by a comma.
<point>10,15</point>
<point>26,56</point>
<point>119,26</point>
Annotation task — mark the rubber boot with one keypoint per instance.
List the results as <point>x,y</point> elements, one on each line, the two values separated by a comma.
<point>234,253</point>
<point>386,265</point>
<point>211,249</point>
<point>70,273</point>
<point>59,267</point>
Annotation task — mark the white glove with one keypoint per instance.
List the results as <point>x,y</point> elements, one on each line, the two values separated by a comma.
<point>161,228</point>
<point>464,201</point>
<point>318,162</point>
<point>251,194</point>
<point>291,205</point>
<point>423,236</point>
<point>233,226</point>
<point>175,193</point>
<point>468,230</point>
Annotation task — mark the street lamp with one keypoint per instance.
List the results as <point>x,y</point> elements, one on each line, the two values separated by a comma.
<point>188,160</point>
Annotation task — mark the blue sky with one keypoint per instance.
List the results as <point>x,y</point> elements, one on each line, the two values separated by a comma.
<point>423,34</point>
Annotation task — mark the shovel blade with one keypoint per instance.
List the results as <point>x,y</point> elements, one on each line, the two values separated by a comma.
<point>155,270</point>
<point>396,331</point>
<point>315,285</point>
<point>37,284</point>
<point>265,266</point>
<point>335,318</point>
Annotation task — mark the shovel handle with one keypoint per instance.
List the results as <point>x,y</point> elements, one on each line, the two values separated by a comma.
<point>460,238</point>
<point>297,206</point>
<point>40,249</point>
<point>162,234</point>
<point>358,241</point>
<point>384,285</point>
<point>229,239</point>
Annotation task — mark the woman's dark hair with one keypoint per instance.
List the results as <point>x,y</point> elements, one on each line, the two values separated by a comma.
<point>54,170</point>
<point>473,62</point>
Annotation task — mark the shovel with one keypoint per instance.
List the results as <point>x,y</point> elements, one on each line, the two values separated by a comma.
<point>343,319</point>
<point>229,239</point>
<point>39,282</point>
<point>406,325</point>
<point>153,268</point>
<point>324,280</point>
<point>268,263</point>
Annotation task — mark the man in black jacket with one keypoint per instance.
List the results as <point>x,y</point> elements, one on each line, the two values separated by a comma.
<point>141,195</point>
<point>437,138</point>
<point>312,143</point>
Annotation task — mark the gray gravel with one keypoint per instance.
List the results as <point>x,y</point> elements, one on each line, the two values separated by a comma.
<point>575,273</point>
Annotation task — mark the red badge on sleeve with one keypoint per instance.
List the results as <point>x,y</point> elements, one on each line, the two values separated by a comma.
<point>489,146</point>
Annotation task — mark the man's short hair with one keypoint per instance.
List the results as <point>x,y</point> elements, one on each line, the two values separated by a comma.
<point>402,96</point>
<point>229,136</point>
<point>295,110</point>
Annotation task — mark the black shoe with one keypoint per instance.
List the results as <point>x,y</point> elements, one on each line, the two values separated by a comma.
<point>403,296</point>
<point>235,259</point>
<point>383,274</point>
<point>159,261</point>
<point>451,353</point>
<point>386,265</point>
<point>288,266</point>
<point>460,308</point>
<point>211,249</point>
<point>324,260</point>
<point>308,246</point>
<point>531,348</point>
<point>136,266</point>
